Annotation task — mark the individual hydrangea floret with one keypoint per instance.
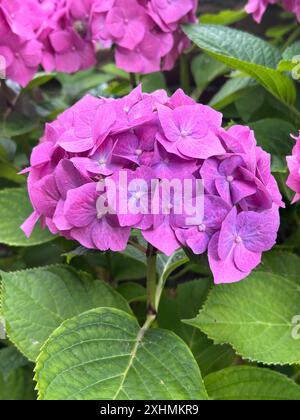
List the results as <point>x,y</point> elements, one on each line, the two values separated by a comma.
<point>258,7</point>
<point>293,161</point>
<point>157,140</point>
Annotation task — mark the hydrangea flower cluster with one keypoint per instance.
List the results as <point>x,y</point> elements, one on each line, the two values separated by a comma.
<point>154,137</point>
<point>293,161</point>
<point>258,7</point>
<point>64,35</point>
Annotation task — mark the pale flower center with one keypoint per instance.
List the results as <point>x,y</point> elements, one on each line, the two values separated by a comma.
<point>238,239</point>
<point>102,162</point>
<point>230,179</point>
<point>184,133</point>
<point>202,228</point>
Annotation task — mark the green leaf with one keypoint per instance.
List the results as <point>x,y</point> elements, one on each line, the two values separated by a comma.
<point>247,53</point>
<point>132,292</point>
<point>250,102</point>
<point>282,263</point>
<point>15,207</point>
<point>205,70</point>
<point>167,265</point>
<point>290,58</point>
<point>9,171</point>
<point>278,32</point>
<point>7,149</point>
<point>255,316</point>
<point>39,79</point>
<point>154,81</point>
<point>17,125</point>
<point>18,385</point>
<point>82,82</point>
<point>135,254</point>
<point>274,136</point>
<point>232,90</point>
<point>103,354</point>
<point>16,378</point>
<point>35,302</point>
<point>113,70</point>
<point>251,384</point>
<point>10,359</point>
<point>225,17</point>
<point>183,304</point>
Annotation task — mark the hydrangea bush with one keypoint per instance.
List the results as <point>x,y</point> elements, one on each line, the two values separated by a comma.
<point>149,229</point>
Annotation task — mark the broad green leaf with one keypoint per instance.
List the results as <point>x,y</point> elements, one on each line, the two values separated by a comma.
<point>256,317</point>
<point>135,254</point>
<point>16,377</point>
<point>183,304</point>
<point>233,89</point>
<point>132,292</point>
<point>82,82</point>
<point>113,70</point>
<point>8,149</point>
<point>250,102</point>
<point>154,81</point>
<point>274,136</point>
<point>10,359</point>
<point>35,302</point>
<point>9,171</point>
<point>15,207</point>
<point>290,58</point>
<point>281,263</point>
<point>225,17</point>
<point>205,70</point>
<point>103,354</point>
<point>251,384</point>
<point>247,53</point>
<point>17,125</point>
<point>18,385</point>
<point>40,79</point>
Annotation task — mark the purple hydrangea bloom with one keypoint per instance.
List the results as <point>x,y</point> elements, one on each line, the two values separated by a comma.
<point>155,140</point>
<point>258,7</point>
<point>293,161</point>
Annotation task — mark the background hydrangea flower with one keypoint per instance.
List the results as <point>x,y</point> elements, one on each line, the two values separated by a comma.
<point>64,35</point>
<point>258,7</point>
<point>293,161</point>
<point>154,138</point>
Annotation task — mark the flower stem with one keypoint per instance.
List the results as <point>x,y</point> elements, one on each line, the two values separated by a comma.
<point>133,80</point>
<point>185,74</point>
<point>151,282</point>
<point>292,38</point>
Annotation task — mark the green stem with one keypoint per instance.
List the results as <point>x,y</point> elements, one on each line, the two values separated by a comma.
<point>133,80</point>
<point>151,282</point>
<point>293,37</point>
<point>185,74</point>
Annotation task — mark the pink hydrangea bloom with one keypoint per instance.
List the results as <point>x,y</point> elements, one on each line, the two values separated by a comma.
<point>293,161</point>
<point>64,35</point>
<point>22,54</point>
<point>154,139</point>
<point>258,7</point>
